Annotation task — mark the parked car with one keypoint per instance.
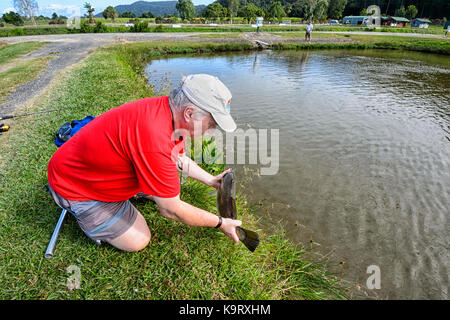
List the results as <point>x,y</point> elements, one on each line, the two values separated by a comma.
<point>334,22</point>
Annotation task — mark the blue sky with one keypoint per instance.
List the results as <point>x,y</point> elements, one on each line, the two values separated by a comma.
<point>70,7</point>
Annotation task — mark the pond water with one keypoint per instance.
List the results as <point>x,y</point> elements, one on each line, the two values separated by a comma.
<point>364,157</point>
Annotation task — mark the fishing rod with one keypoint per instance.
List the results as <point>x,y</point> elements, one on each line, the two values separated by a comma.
<point>25,114</point>
<point>5,127</point>
<point>31,113</point>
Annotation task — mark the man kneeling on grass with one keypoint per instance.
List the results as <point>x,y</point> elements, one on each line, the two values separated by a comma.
<point>137,148</point>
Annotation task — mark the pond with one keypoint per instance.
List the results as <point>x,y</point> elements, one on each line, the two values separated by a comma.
<point>364,152</point>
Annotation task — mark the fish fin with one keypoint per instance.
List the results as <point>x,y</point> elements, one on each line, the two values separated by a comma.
<point>249,238</point>
<point>213,193</point>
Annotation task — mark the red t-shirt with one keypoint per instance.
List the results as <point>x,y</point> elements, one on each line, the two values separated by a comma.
<point>120,153</point>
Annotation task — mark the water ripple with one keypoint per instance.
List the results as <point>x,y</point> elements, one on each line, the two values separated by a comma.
<point>364,154</point>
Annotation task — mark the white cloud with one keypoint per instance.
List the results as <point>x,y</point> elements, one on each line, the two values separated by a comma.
<point>9,9</point>
<point>60,7</point>
<point>66,10</point>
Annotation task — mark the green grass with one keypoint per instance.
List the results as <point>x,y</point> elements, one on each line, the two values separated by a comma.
<point>13,51</point>
<point>429,30</point>
<point>220,35</point>
<point>429,45</point>
<point>118,26</point>
<point>20,74</point>
<point>33,31</point>
<point>138,54</point>
<point>180,262</point>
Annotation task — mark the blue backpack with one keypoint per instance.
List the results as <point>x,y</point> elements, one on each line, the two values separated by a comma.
<point>68,130</point>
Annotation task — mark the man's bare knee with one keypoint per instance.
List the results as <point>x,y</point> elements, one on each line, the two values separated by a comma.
<point>134,239</point>
<point>140,244</point>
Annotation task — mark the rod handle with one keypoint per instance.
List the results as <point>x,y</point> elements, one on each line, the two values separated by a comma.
<point>52,244</point>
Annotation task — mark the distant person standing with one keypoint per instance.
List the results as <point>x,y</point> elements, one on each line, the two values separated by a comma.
<point>309,28</point>
<point>448,30</point>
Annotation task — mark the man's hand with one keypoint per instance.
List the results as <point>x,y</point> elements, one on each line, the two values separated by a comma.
<point>229,228</point>
<point>215,181</point>
<point>175,209</point>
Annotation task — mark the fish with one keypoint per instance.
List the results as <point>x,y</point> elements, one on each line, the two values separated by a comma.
<point>226,206</point>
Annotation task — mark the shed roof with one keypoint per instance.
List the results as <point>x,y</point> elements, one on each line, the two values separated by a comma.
<point>400,19</point>
<point>356,17</point>
<point>423,20</point>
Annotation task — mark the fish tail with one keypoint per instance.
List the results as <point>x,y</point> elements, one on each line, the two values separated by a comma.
<point>249,238</point>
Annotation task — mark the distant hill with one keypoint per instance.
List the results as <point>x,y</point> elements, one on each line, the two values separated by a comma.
<point>157,8</point>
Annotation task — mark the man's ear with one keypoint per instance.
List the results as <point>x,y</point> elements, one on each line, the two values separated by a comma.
<point>188,113</point>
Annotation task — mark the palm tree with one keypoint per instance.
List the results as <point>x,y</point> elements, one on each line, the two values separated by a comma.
<point>90,11</point>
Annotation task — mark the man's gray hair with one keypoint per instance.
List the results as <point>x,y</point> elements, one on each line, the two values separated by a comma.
<point>178,101</point>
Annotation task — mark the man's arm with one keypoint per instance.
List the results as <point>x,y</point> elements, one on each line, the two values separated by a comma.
<point>195,172</point>
<point>175,209</point>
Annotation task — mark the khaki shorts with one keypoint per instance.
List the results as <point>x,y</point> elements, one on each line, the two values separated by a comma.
<point>99,220</point>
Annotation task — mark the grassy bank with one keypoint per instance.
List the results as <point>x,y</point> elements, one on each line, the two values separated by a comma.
<point>440,46</point>
<point>167,27</point>
<point>20,74</point>
<point>30,31</point>
<point>180,262</point>
<point>14,71</point>
<point>13,51</point>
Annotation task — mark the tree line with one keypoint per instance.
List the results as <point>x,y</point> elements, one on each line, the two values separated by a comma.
<point>314,9</point>
<point>271,10</point>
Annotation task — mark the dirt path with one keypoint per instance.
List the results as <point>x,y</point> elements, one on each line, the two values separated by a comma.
<point>65,53</point>
<point>69,49</point>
